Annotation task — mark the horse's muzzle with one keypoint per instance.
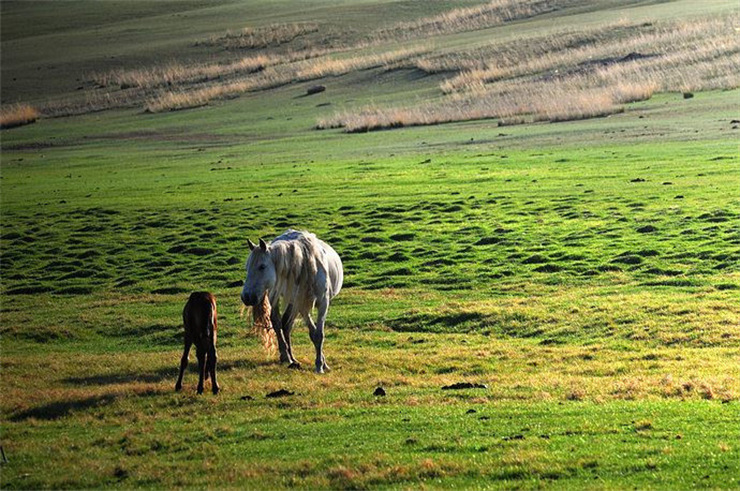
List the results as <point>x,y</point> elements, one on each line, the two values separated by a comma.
<point>249,300</point>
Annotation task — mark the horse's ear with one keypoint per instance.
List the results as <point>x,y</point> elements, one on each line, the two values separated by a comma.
<point>263,245</point>
<point>251,245</point>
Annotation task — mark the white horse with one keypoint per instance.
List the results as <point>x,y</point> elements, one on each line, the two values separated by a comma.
<point>303,272</point>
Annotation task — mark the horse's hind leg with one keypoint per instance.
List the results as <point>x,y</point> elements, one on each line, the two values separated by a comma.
<point>287,321</point>
<point>201,355</point>
<point>183,362</point>
<point>316,332</point>
<point>211,368</point>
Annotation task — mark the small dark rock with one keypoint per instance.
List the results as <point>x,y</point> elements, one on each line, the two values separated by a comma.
<point>464,385</point>
<point>120,473</point>
<point>735,121</point>
<point>280,393</point>
<point>513,437</point>
<point>688,95</point>
<point>471,411</point>
<point>315,89</point>
<point>668,183</point>
<point>379,392</point>
<point>638,179</point>
<point>647,229</point>
<point>679,196</point>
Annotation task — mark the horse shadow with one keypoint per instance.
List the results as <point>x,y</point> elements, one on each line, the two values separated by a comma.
<point>158,375</point>
<point>59,409</point>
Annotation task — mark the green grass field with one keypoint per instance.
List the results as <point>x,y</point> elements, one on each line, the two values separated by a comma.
<point>585,272</point>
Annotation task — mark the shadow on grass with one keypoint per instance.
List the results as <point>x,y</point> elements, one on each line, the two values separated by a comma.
<point>159,375</point>
<point>450,322</point>
<point>164,374</point>
<point>59,409</point>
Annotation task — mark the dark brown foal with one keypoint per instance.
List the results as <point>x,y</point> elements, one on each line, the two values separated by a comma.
<point>200,319</point>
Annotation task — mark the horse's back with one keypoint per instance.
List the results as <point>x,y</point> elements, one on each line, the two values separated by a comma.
<point>200,313</point>
<point>327,260</point>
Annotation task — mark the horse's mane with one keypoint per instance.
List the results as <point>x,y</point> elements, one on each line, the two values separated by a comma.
<point>297,256</point>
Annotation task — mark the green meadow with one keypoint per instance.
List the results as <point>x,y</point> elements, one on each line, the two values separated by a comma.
<point>581,276</point>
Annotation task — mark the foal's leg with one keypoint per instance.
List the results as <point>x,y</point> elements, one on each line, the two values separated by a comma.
<point>277,326</point>
<point>201,354</point>
<point>288,319</point>
<point>211,367</point>
<point>184,362</point>
<point>316,332</point>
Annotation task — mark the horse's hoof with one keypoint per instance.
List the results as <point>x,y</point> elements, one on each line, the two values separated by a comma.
<point>200,390</point>
<point>216,389</point>
<point>178,388</point>
<point>295,366</point>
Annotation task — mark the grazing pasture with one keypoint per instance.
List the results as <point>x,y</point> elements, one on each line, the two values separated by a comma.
<point>578,280</point>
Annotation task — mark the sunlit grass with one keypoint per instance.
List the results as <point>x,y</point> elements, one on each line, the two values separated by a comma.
<point>17,115</point>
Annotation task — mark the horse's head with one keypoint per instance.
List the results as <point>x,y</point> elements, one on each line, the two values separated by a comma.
<point>260,274</point>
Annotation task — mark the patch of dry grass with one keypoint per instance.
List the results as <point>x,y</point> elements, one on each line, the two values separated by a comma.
<point>262,37</point>
<point>490,14</point>
<point>512,104</point>
<point>17,115</point>
<point>568,75</point>
<point>262,326</point>
<point>277,76</point>
<point>175,73</point>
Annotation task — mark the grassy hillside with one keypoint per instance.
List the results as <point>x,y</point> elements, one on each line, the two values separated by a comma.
<point>583,273</point>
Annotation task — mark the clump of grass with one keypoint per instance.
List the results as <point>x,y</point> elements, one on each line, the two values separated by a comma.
<point>277,76</point>
<point>175,72</point>
<point>515,105</point>
<point>17,115</point>
<point>490,14</point>
<point>262,37</point>
<point>262,326</point>
<point>577,76</point>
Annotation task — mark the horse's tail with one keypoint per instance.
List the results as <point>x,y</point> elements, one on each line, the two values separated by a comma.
<point>212,323</point>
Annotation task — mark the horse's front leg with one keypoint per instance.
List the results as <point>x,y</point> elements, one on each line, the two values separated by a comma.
<point>277,326</point>
<point>288,319</point>
<point>316,332</point>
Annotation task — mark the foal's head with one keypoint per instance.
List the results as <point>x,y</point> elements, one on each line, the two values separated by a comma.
<point>261,274</point>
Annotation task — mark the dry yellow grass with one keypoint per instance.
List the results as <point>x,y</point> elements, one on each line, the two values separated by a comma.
<point>616,43</point>
<point>175,73</point>
<point>17,115</point>
<point>276,76</point>
<point>493,13</point>
<point>262,37</point>
<point>569,75</point>
<point>262,326</point>
<point>512,104</point>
